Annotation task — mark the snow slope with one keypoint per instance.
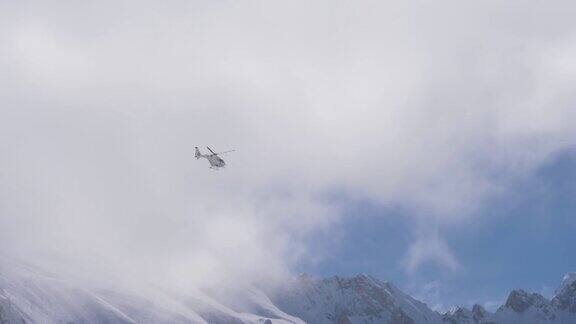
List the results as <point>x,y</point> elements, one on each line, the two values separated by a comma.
<point>361,299</point>
<point>29,294</point>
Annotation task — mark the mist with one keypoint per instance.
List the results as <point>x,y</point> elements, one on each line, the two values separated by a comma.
<point>433,107</point>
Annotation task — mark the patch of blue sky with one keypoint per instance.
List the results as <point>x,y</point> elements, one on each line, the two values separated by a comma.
<point>524,239</point>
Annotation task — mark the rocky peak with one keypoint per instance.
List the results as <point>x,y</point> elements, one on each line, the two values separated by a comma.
<point>457,315</point>
<point>568,284</point>
<point>479,313</point>
<point>462,315</point>
<point>565,298</point>
<point>568,280</point>
<point>519,301</point>
<point>525,305</point>
<point>361,298</point>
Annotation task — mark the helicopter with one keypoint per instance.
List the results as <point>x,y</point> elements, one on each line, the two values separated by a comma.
<point>216,162</point>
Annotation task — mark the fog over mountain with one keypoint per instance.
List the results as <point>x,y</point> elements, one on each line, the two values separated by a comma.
<point>29,294</point>
<point>429,107</point>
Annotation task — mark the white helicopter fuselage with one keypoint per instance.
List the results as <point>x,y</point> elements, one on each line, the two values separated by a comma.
<point>215,161</point>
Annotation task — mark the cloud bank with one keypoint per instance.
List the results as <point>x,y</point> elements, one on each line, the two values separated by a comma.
<point>434,107</point>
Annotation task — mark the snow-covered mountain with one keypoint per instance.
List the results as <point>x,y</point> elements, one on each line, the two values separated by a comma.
<point>524,307</point>
<point>361,299</point>
<point>462,315</point>
<point>31,295</point>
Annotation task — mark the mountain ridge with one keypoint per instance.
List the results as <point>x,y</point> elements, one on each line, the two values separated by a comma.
<point>31,295</point>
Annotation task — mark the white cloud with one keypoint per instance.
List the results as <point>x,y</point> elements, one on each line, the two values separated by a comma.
<point>434,107</point>
<point>430,248</point>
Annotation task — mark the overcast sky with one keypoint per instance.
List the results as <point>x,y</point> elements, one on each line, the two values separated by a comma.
<point>433,110</point>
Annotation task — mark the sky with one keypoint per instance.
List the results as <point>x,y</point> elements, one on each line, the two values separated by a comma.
<point>431,144</point>
<point>519,241</point>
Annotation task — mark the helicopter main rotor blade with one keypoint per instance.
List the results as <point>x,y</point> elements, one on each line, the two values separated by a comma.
<point>225,152</point>
<point>210,150</point>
